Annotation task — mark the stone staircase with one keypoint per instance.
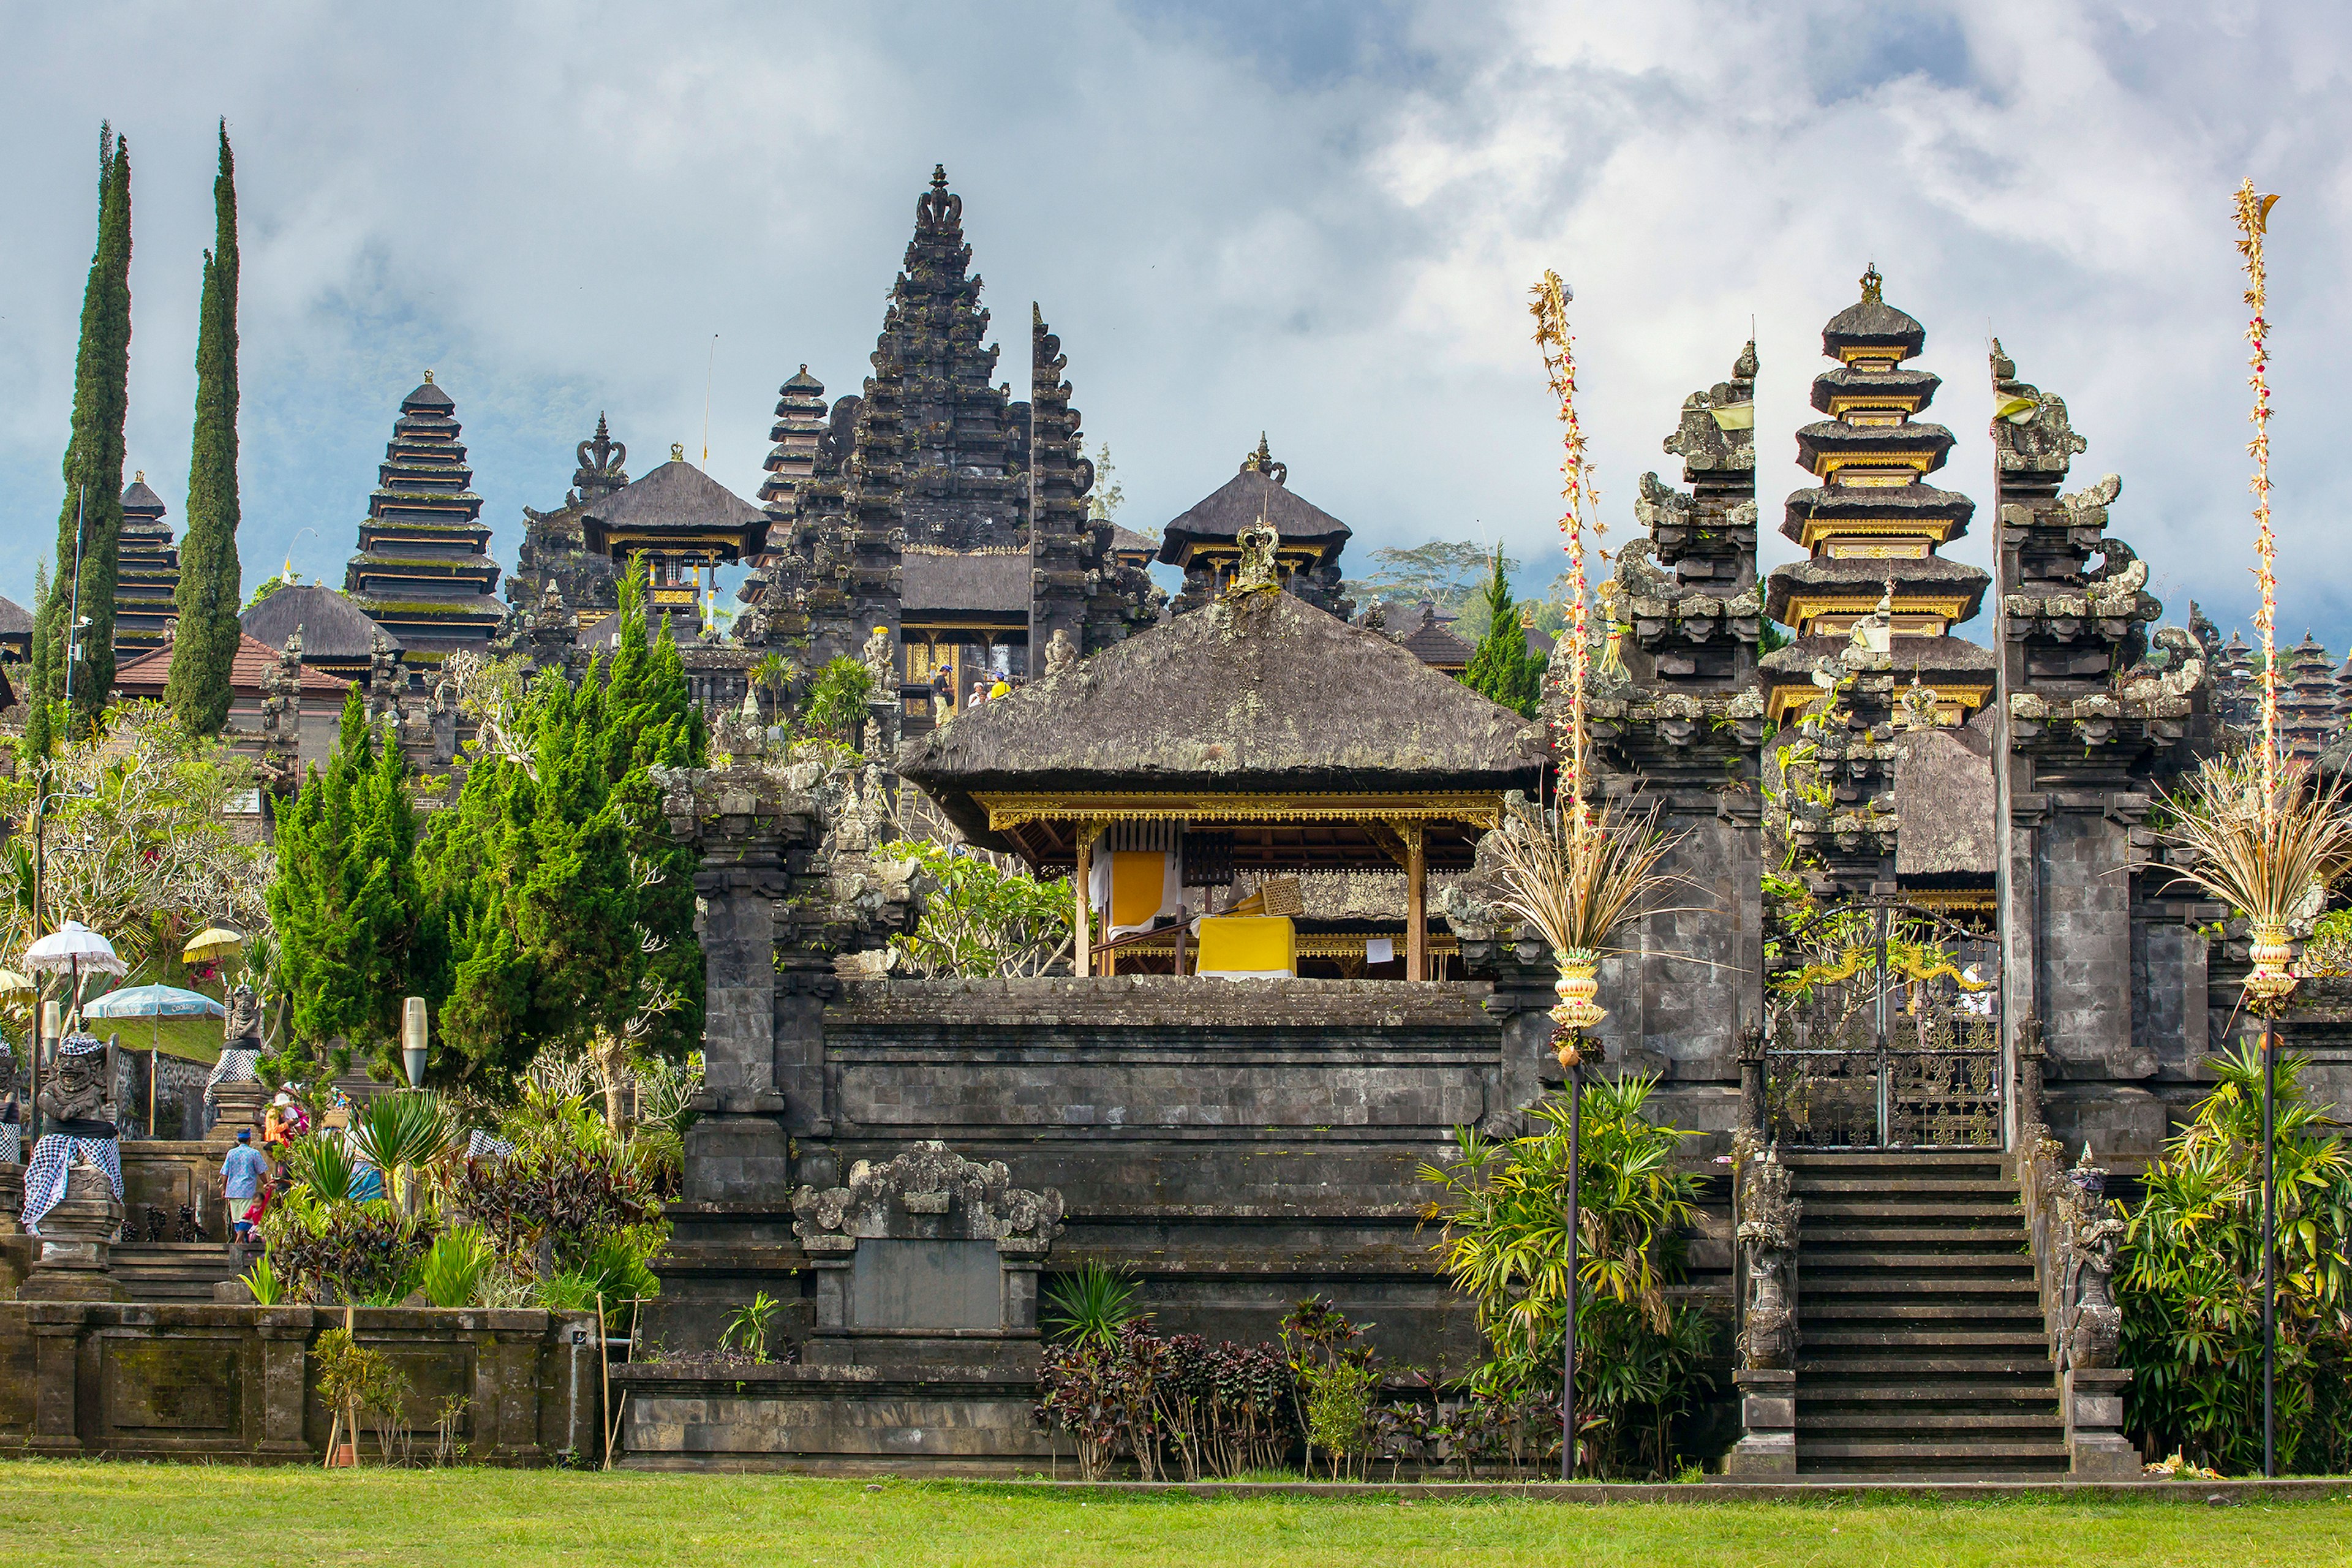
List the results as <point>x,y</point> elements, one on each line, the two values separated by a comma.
<point>1921,1349</point>
<point>172,1271</point>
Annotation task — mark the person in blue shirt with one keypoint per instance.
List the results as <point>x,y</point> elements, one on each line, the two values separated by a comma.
<point>242,1175</point>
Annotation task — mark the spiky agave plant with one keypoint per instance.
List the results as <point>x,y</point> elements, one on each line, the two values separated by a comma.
<point>2270,854</point>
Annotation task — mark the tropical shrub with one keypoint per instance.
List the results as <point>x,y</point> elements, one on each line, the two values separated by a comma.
<point>985,917</point>
<point>2189,1283</point>
<point>837,699</point>
<point>455,1266</point>
<point>1642,1359</point>
<point>1173,1403</point>
<point>366,1253</point>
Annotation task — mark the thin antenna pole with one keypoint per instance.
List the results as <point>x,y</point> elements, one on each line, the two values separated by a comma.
<point>710,374</point>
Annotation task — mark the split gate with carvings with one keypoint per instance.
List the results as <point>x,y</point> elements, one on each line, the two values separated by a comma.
<point>1883,1031</point>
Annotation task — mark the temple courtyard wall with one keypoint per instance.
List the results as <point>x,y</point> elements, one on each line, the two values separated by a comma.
<point>229,1385</point>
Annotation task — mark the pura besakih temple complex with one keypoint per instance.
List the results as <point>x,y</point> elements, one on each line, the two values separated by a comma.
<point>554,556</point>
<point>2311,708</point>
<point>1203,542</point>
<point>930,511</point>
<point>685,525</point>
<point>147,573</point>
<point>1918,924</point>
<point>423,571</point>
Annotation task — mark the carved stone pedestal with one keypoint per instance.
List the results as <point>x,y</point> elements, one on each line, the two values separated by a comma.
<point>237,1104</point>
<point>75,1242</point>
<point>12,1199</point>
<point>2095,1445</point>
<point>1768,1412</point>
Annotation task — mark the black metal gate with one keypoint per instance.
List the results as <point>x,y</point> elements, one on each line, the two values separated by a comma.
<point>1884,1031</point>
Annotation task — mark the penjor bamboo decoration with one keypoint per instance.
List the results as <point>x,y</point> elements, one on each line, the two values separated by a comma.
<point>2253,216</point>
<point>1550,306</point>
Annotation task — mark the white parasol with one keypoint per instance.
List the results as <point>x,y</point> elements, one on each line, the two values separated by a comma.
<point>74,949</point>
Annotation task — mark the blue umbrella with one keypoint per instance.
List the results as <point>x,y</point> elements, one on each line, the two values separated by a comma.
<point>152,1003</point>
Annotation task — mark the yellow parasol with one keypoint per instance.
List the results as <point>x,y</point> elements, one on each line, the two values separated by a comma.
<point>211,945</point>
<point>14,986</point>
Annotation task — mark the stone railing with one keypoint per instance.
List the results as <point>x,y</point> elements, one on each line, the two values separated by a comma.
<point>2075,1233</point>
<point>239,1385</point>
<point>1766,1265</point>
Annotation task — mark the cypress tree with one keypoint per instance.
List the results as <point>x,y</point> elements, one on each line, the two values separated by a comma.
<point>210,576</point>
<point>90,525</point>
<point>1503,669</point>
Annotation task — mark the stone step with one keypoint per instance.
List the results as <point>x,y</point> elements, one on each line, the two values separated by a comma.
<point>1893,1369</point>
<point>1890,1162</point>
<point>171,1272</point>
<point>1890,1232</point>
<point>1921,1394</point>
<point>1805,1185</point>
<point>1906,1286</point>
<point>2019,1313</point>
<point>1959,1266</point>
<point>1850,1336</point>
<point>1992,1452</point>
<point>1855,1208</point>
<point>2028,1425</point>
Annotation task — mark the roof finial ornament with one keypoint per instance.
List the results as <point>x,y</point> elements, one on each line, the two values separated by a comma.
<point>1872,286</point>
<point>1262,462</point>
<point>139,477</point>
<point>677,451</point>
<point>939,176</point>
<point>428,378</point>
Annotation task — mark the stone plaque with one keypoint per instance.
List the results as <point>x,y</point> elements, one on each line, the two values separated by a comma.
<point>159,1386</point>
<point>927,1285</point>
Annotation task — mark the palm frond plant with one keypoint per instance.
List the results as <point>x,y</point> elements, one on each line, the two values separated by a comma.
<point>322,1165</point>
<point>1090,1305</point>
<point>399,1131</point>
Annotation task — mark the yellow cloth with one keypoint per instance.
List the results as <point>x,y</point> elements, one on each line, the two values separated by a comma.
<point>1138,881</point>
<point>1248,945</point>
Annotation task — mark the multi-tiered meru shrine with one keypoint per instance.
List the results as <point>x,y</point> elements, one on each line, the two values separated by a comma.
<point>423,572</point>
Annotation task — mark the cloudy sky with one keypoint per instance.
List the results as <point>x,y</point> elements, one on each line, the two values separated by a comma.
<point>1315,219</point>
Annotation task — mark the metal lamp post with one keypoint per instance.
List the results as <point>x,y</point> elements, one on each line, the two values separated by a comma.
<point>411,1039</point>
<point>1575,1014</point>
<point>2267,988</point>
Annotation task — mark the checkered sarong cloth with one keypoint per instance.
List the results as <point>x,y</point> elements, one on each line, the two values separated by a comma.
<point>45,1175</point>
<point>237,1065</point>
<point>12,1143</point>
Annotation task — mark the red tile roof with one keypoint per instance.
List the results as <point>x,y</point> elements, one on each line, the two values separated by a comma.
<point>144,676</point>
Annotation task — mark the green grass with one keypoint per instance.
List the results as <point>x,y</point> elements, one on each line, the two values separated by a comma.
<point>133,1514</point>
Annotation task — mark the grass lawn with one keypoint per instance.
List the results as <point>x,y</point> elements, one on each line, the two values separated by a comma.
<point>129,1514</point>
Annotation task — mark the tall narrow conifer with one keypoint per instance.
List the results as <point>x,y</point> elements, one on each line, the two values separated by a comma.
<point>210,577</point>
<point>1503,668</point>
<point>90,525</point>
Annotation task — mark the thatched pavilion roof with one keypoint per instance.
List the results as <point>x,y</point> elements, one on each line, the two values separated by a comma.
<point>1259,693</point>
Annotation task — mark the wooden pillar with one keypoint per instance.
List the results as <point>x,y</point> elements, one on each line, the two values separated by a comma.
<point>1082,949</point>
<point>1416,902</point>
